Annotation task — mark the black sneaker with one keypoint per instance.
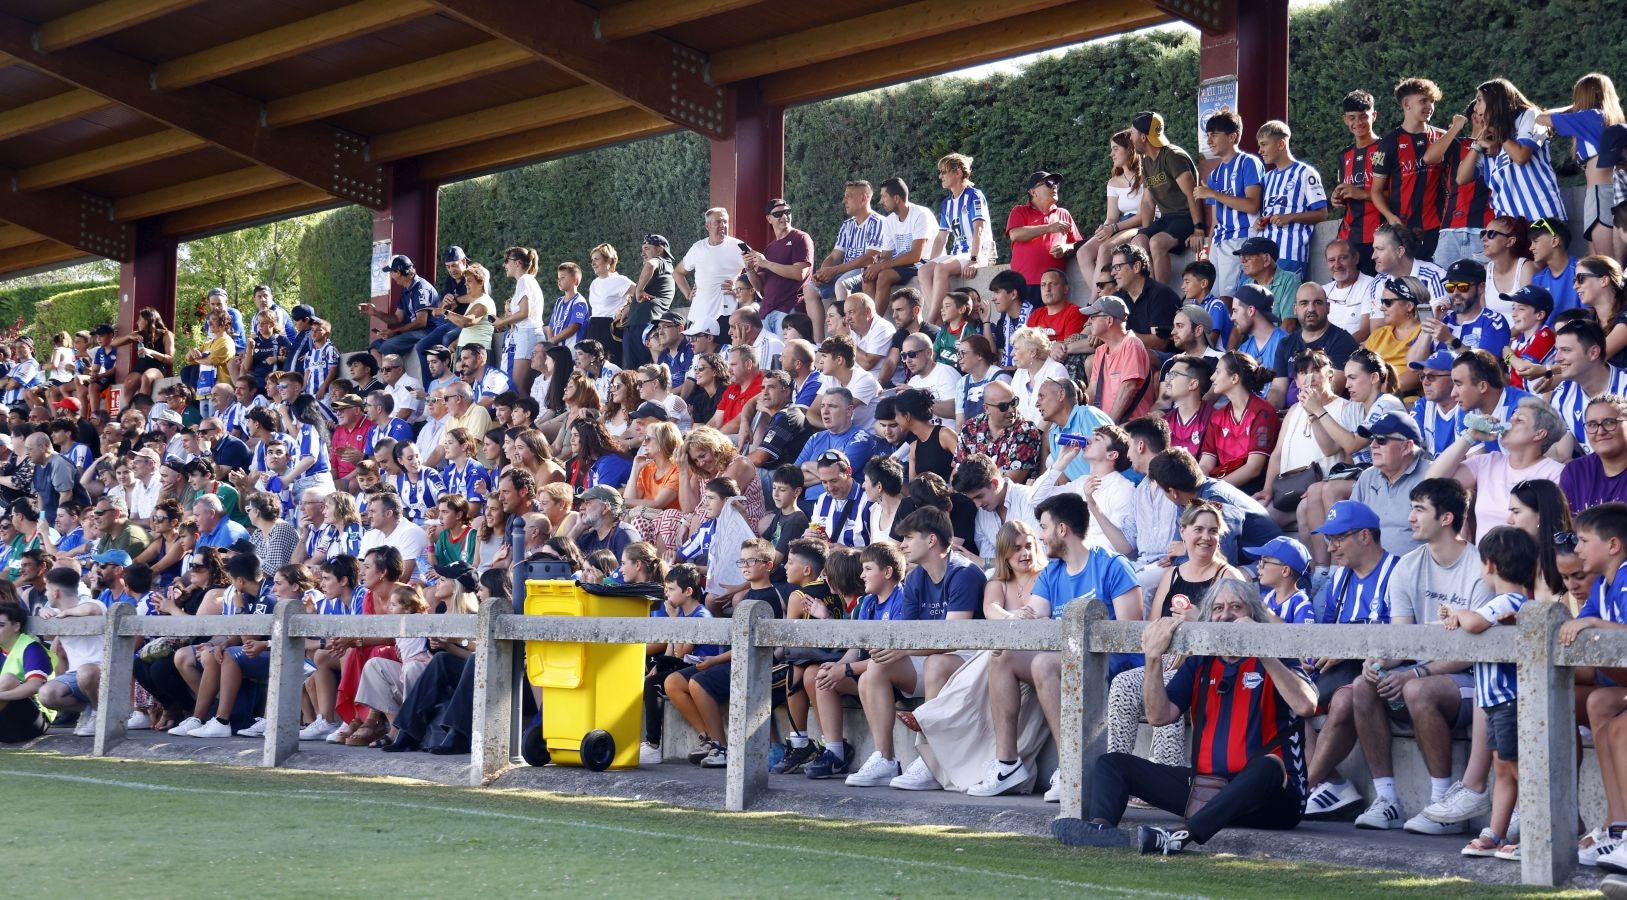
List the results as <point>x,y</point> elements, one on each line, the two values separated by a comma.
<point>827,765</point>
<point>1161,840</point>
<point>702,750</point>
<point>796,758</point>
<point>1084,833</point>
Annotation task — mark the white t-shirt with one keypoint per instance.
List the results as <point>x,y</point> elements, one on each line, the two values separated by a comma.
<point>897,237</point>
<point>865,389</point>
<point>769,347</point>
<point>535,315</point>
<point>402,393</point>
<point>1298,442</point>
<point>710,267</point>
<point>1346,305</point>
<point>408,538</point>
<point>84,649</point>
<point>1129,199</point>
<point>943,381</point>
<point>605,295</point>
<point>878,340</point>
<point>1028,393</point>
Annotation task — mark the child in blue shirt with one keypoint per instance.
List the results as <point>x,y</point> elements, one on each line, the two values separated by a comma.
<point>1508,556</point>
<point>1282,563</point>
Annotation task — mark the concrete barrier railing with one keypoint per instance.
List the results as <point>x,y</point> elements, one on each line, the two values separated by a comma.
<point>1084,636</point>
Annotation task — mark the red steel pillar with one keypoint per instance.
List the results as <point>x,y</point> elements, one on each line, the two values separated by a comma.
<point>147,281</point>
<point>748,169</point>
<point>1255,53</point>
<point>409,224</point>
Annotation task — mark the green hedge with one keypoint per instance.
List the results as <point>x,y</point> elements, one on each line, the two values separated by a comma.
<point>77,309</point>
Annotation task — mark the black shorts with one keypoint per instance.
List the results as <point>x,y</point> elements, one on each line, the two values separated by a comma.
<point>142,365</point>
<point>1464,682</point>
<point>1333,679</point>
<point>1503,730</point>
<point>1178,227</point>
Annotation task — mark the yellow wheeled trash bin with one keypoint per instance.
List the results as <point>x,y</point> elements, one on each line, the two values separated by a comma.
<point>592,693</point>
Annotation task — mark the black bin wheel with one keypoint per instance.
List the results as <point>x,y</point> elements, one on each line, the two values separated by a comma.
<point>532,748</point>
<point>598,750</point>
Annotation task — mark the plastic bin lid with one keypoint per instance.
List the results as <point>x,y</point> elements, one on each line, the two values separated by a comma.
<point>648,590</point>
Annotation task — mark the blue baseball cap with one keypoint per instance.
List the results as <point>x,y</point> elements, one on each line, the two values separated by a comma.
<point>1533,295</point>
<point>1611,144</point>
<point>1439,361</point>
<point>1392,425</point>
<point>1347,516</point>
<point>1285,550</point>
<point>112,558</point>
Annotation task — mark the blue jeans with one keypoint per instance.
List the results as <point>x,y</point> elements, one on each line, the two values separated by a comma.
<point>435,336</point>
<point>1459,243</point>
<point>404,342</point>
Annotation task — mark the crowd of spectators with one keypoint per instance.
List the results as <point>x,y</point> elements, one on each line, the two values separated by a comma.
<point>1434,436</point>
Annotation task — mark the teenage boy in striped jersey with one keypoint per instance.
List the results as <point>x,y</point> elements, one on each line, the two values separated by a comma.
<point>1231,196</point>
<point>841,271</point>
<point>1294,199</point>
<point>1361,217</point>
<point>964,229</point>
<point>1407,189</point>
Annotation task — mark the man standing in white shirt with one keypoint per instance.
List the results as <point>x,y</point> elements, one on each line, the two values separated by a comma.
<point>872,334</point>
<point>906,235</point>
<point>1348,292</point>
<point>715,261</point>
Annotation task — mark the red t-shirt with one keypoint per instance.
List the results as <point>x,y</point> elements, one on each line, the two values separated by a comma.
<point>735,397</point>
<point>1231,439</point>
<point>1057,326</point>
<point>349,440</point>
<point>1537,347</point>
<point>1189,435</point>
<point>1032,258</point>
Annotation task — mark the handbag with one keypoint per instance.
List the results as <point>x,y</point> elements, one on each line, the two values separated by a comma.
<point>1204,789</point>
<point>1290,486</point>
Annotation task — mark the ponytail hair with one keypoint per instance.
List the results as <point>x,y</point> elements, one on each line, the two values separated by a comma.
<point>525,256</point>
<point>1373,364</point>
<point>1254,376</point>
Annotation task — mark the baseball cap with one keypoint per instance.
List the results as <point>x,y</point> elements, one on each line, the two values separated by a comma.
<point>453,253</point>
<point>1150,124</point>
<point>658,240</point>
<point>440,351</point>
<point>1392,425</point>
<point>1042,177</point>
<point>401,265</point>
<point>1256,245</point>
<point>1198,316</point>
<point>216,292</point>
<point>1439,361</point>
<point>167,415</point>
<point>301,312</point>
<point>103,328</point>
<point>1534,296</point>
<point>1285,550</point>
<point>702,328</point>
<point>1466,270</point>
<point>650,410</point>
<point>461,573</point>
<point>774,204</point>
<point>1611,145</point>
<point>146,453</point>
<point>1251,294</point>
<point>348,401</point>
<point>67,403</point>
<point>1347,516</point>
<point>1108,306</point>
<point>604,493</point>
<point>671,318</point>
<point>114,557</point>
<point>243,545</point>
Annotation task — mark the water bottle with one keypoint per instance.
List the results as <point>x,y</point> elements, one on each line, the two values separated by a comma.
<point>1398,703</point>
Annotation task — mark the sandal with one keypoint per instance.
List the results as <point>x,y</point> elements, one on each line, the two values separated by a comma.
<point>1510,852</point>
<point>369,732</point>
<point>908,720</point>
<point>1486,844</point>
<point>381,743</point>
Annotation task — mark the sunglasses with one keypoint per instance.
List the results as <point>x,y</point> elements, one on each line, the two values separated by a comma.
<point>1583,276</point>
<point>911,354</point>
<point>1005,406</point>
<point>832,456</point>
<point>1459,287</point>
<point>1487,234</point>
<point>1544,225</point>
<point>1104,285</point>
<point>780,213</point>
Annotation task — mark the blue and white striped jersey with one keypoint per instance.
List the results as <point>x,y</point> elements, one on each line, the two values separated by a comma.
<point>1571,402</point>
<point>1294,188</point>
<point>1351,599</point>
<point>853,239</point>
<point>1496,683</point>
<point>1233,178</point>
<point>956,217</point>
<point>1530,191</point>
<point>318,364</point>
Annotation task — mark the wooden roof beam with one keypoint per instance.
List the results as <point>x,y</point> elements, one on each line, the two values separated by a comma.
<point>225,186</point>
<point>523,115</point>
<point>242,211</point>
<point>652,72</point>
<point>396,83</point>
<point>1081,20</point>
<point>877,31</point>
<point>326,158</point>
<point>103,19</point>
<point>298,37</point>
<point>112,158</point>
<point>525,147</point>
<point>77,218</point>
<point>16,236</point>
<point>644,16</point>
<point>37,255</point>
<point>53,110</point>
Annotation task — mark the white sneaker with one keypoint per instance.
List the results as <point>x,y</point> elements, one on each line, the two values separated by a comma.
<point>649,754</point>
<point>717,759</point>
<point>1420,825</point>
<point>214,728</point>
<point>918,777</point>
<point>877,771</point>
<point>1382,815</point>
<point>318,730</point>
<point>1053,794</point>
<point>87,724</point>
<point>337,735</point>
<point>138,721</point>
<point>1513,827</point>
<point>1603,843</point>
<point>258,729</point>
<point>1328,797</point>
<point>995,782</point>
<point>1459,805</point>
<point>1615,860</point>
<point>186,728</point>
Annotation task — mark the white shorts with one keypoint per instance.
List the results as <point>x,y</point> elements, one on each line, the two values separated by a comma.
<point>962,258</point>
<point>919,662</point>
<point>524,338</point>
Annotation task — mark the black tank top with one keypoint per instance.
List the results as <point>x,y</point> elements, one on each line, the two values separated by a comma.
<point>931,457</point>
<point>660,285</point>
<point>1192,591</point>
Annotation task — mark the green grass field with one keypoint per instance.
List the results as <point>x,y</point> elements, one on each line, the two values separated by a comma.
<point>108,828</point>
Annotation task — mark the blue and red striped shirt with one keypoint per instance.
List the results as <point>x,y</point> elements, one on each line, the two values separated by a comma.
<point>1237,714</point>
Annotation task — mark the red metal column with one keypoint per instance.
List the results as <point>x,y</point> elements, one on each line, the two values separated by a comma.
<point>410,223</point>
<point>1256,53</point>
<point>147,281</point>
<point>748,169</point>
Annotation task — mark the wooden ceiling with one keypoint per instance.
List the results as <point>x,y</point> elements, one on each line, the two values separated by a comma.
<point>203,115</point>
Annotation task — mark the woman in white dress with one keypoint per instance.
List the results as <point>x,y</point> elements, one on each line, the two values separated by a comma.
<point>1031,351</point>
